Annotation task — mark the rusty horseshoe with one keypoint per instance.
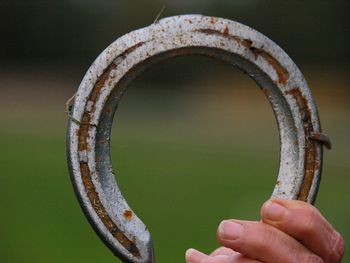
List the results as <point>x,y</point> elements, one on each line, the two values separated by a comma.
<point>102,88</point>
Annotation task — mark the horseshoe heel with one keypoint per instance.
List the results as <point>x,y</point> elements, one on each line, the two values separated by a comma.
<point>102,87</point>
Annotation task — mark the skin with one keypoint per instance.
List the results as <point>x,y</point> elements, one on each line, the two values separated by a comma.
<point>290,231</point>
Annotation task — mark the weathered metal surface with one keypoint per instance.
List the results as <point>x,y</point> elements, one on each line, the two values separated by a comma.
<point>103,86</point>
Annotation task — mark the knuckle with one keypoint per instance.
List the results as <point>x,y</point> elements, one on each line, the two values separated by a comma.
<point>310,218</point>
<point>268,235</point>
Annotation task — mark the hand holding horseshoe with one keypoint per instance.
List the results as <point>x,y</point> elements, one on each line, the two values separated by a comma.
<point>102,88</point>
<point>289,231</point>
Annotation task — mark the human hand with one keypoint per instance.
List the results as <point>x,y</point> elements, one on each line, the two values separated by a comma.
<point>289,232</point>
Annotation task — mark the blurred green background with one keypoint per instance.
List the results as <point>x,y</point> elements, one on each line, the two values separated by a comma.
<point>192,145</point>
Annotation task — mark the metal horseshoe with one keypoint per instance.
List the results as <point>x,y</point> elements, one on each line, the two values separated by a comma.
<point>102,88</point>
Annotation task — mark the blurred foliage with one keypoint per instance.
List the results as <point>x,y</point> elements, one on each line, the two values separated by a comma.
<point>314,31</point>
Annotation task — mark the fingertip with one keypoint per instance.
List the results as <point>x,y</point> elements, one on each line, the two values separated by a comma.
<point>194,256</point>
<point>262,209</point>
<point>223,251</point>
<point>288,203</point>
<point>265,205</point>
<point>273,211</point>
<point>230,230</point>
<point>189,252</point>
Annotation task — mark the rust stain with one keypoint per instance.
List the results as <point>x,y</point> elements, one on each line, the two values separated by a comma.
<point>281,72</point>
<point>296,142</point>
<point>102,214</point>
<point>100,82</point>
<point>127,214</point>
<point>86,173</point>
<point>322,138</point>
<point>226,31</point>
<point>266,91</point>
<point>311,166</point>
<point>84,129</point>
<point>246,42</point>
<point>132,48</point>
<point>209,31</point>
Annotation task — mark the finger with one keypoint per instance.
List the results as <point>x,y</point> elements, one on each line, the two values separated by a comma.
<point>220,255</point>
<point>194,256</point>
<point>305,223</point>
<point>229,259</point>
<point>223,251</point>
<point>218,259</point>
<point>257,240</point>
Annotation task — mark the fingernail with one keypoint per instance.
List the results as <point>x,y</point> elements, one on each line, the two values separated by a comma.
<point>274,211</point>
<point>194,256</point>
<point>230,230</point>
<point>189,252</point>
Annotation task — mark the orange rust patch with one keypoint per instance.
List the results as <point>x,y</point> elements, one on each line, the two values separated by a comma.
<point>127,214</point>
<point>86,173</point>
<point>282,73</point>
<point>226,31</point>
<point>266,91</point>
<point>302,103</point>
<point>311,165</point>
<point>100,82</point>
<point>83,132</point>
<point>322,138</point>
<point>85,123</point>
<point>132,48</point>
<point>101,212</point>
<point>246,42</point>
